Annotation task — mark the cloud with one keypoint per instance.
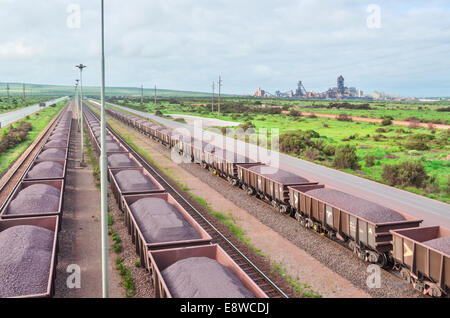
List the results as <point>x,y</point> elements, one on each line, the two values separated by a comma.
<point>19,50</point>
<point>185,44</point>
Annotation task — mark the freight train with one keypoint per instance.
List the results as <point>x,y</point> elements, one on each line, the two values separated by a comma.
<point>31,219</point>
<point>374,233</point>
<point>172,246</point>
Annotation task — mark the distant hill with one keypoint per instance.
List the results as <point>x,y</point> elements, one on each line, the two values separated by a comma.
<point>57,90</point>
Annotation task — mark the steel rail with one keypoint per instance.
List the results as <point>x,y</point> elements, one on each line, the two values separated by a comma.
<point>233,247</point>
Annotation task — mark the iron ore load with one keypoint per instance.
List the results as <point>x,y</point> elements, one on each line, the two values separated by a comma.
<point>30,219</point>
<point>368,229</point>
<point>158,224</point>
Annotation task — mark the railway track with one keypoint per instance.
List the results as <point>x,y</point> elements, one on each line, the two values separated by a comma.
<point>252,270</point>
<point>15,174</point>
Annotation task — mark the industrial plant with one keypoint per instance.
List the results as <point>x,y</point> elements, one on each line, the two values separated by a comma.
<point>338,92</point>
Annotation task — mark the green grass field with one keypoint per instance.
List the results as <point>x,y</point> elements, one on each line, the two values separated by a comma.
<point>17,102</point>
<point>39,122</point>
<point>388,146</point>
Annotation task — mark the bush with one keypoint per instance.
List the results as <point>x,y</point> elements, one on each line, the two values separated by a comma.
<point>418,142</point>
<point>344,117</point>
<point>297,142</point>
<point>14,136</point>
<point>159,113</point>
<point>407,173</point>
<point>370,160</point>
<point>311,153</point>
<point>329,150</point>
<point>295,113</point>
<point>346,157</point>
<point>386,122</point>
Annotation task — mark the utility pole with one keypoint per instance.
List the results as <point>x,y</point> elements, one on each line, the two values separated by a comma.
<point>212,104</point>
<point>142,95</point>
<point>7,91</point>
<point>156,98</point>
<point>77,104</point>
<point>220,92</point>
<point>104,169</point>
<point>81,67</point>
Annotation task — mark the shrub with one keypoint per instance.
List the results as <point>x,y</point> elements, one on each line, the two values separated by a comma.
<point>329,150</point>
<point>370,160</point>
<point>418,142</point>
<point>246,126</point>
<point>346,157</point>
<point>311,153</point>
<point>386,122</point>
<point>407,173</point>
<point>295,113</point>
<point>344,117</point>
<point>297,142</point>
<point>159,113</point>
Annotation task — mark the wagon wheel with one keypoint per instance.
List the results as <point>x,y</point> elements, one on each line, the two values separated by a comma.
<point>250,191</point>
<point>434,291</point>
<point>383,260</point>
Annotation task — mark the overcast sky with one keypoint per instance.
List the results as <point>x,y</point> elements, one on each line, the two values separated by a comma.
<point>185,44</point>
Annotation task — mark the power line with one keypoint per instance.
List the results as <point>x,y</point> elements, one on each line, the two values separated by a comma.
<point>212,104</point>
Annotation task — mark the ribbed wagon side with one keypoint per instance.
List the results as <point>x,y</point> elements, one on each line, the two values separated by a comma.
<point>142,246</point>
<point>160,260</point>
<point>50,223</point>
<point>368,239</point>
<point>269,184</point>
<point>425,266</point>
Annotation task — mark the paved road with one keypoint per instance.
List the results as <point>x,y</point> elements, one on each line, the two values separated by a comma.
<point>431,211</point>
<point>11,117</point>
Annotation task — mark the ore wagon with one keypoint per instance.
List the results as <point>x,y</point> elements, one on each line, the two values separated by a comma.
<point>35,198</point>
<point>46,170</point>
<point>38,240</point>
<point>423,257</point>
<point>158,221</point>
<point>132,181</point>
<point>164,263</point>
<point>225,163</point>
<point>269,184</point>
<point>363,224</point>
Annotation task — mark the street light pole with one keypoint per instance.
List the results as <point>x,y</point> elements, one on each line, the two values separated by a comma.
<point>103,170</point>
<point>81,67</point>
<point>77,103</point>
<point>75,100</point>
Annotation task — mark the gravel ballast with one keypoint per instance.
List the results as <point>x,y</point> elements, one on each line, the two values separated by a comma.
<point>46,170</point>
<point>161,222</point>
<point>35,199</point>
<point>370,211</point>
<point>26,254</point>
<point>134,181</point>
<point>52,154</point>
<point>337,258</point>
<point>441,244</point>
<point>120,161</point>
<point>202,277</point>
